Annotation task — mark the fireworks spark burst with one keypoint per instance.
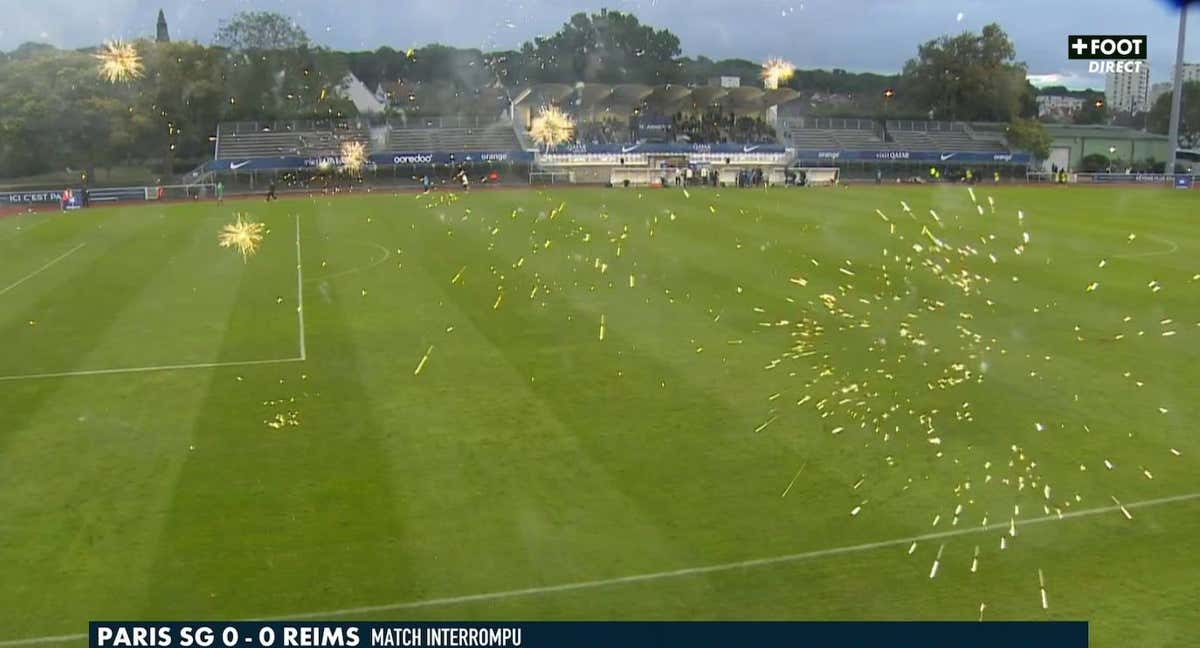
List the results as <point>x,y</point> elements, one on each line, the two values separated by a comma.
<point>775,71</point>
<point>244,235</point>
<point>551,127</point>
<point>119,62</point>
<point>354,156</point>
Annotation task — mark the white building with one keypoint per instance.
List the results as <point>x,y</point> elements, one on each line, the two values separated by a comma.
<point>1157,90</point>
<point>1191,72</point>
<point>357,92</point>
<point>1058,105</point>
<point>1128,91</point>
<point>725,82</point>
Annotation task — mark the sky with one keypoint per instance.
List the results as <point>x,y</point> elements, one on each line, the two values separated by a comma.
<point>857,35</point>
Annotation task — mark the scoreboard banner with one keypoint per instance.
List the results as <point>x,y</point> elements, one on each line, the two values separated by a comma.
<point>588,634</point>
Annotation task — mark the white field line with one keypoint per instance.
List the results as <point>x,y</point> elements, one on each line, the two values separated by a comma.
<point>130,370</point>
<point>175,367</point>
<point>300,291</point>
<point>42,269</point>
<point>1174,247</point>
<point>662,575</point>
<point>333,275</point>
<point>710,569</point>
<point>44,640</point>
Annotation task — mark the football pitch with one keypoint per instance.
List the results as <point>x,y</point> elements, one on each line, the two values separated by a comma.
<point>861,403</point>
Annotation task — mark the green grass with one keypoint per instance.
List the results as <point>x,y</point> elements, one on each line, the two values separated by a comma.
<point>530,453</point>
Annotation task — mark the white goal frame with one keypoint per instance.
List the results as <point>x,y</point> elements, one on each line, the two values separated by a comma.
<point>551,177</point>
<point>819,176</point>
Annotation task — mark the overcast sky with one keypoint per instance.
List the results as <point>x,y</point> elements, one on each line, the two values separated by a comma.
<point>859,35</point>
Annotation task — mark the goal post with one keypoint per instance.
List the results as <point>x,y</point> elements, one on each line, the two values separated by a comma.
<point>635,176</point>
<point>818,176</point>
<point>551,177</point>
<point>181,192</point>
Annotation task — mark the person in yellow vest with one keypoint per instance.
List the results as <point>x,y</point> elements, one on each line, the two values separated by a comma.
<point>996,176</point>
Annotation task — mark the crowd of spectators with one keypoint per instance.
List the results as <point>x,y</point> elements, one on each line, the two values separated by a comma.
<point>714,127</point>
<point>711,127</point>
<point>609,131</point>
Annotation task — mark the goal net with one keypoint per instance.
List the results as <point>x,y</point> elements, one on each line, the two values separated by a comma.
<point>817,176</point>
<point>166,192</point>
<point>182,192</point>
<point>637,176</point>
<point>551,177</point>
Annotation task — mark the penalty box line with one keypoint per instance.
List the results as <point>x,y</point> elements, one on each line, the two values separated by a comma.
<point>42,269</point>
<point>177,367</point>
<point>664,575</point>
<point>300,291</point>
<point>130,370</point>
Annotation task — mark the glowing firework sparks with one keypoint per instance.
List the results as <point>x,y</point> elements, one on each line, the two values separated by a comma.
<point>424,359</point>
<point>1042,588</point>
<point>245,236</point>
<point>551,127</point>
<point>775,71</point>
<point>119,62</point>
<point>354,156</point>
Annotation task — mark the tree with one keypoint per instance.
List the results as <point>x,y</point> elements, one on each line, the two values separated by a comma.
<point>260,30</point>
<point>966,77</point>
<point>1094,111</point>
<point>1095,163</point>
<point>1159,119</point>
<point>1029,135</point>
<point>1027,103</point>
<point>180,101</point>
<point>30,49</point>
<point>56,113</point>
<point>608,47</point>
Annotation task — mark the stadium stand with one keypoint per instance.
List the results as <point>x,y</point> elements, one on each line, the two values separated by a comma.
<point>498,136</point>
<point>411,139</point>
<point>254,139</point>
<point>602,132</point>
<point>913,140</point>
<point>313,139</point>
<point>856,139</point>
<point>812,138</point>
<point>942,136</point>
<point>870,134</point>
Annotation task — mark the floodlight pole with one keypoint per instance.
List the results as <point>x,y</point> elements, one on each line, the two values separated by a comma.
<point>1177,96</point>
